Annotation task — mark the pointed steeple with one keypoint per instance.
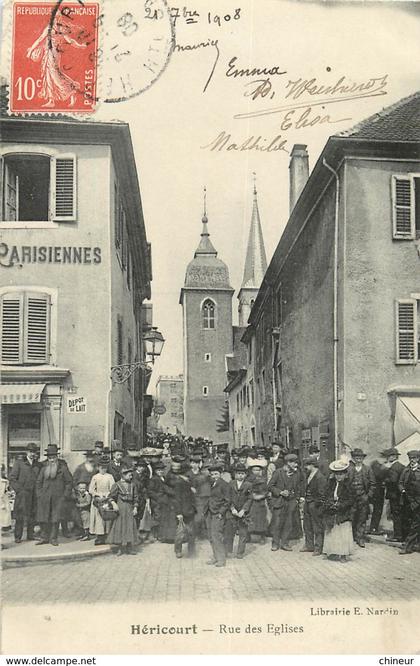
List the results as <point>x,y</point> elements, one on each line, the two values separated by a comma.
<point>256,260</point>
<point>205,246</point>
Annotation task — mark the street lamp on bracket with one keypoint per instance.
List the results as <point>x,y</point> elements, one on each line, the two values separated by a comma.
<point>153,341</point>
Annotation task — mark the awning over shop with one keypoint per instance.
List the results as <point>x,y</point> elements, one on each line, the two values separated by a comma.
<point>407,424</point>
<point>17,394</point>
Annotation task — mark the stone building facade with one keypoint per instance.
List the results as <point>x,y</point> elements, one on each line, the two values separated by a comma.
<point>75,266</point>
<point>336,322</point>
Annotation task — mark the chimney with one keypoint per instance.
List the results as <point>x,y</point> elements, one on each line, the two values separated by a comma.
<point>299,172</point>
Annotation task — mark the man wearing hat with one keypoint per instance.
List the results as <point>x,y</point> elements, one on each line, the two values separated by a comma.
<point>184,505</point>
<point>23,481</point>
<point>217,507</point>
<point>313,527</point>
<point>201,482</point>
<point>409,486</point>
<point>363,486</point>
<point>237,522</point>
<point>287,488</point>
<point>85,471</point>
<point>392,491</point>
<point>53,486</point>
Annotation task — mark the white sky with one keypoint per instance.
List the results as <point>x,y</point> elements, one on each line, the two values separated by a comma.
<point>174,118</point>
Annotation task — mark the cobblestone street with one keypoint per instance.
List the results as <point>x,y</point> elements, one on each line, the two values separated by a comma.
<point>378,573</point>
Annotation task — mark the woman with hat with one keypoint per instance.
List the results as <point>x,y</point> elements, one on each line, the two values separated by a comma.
<point>338,504</point>
<point>99,488</point>
<point>123,532</point>
<point>53,486</point>
<point>287,489</point>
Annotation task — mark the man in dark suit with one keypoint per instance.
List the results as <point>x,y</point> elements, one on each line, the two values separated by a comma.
<point>217,507</point>
<point>363,485</point>
<point>392,492</point>
<point>53,487</point>
<point>237,522</point>
<point>184,505</point>
<point>287,489</point>
<point>23,481</point>
<point>409,486</point>
<point>313,527</point>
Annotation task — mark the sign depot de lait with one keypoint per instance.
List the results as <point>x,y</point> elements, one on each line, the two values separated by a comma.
<point>15,255</point>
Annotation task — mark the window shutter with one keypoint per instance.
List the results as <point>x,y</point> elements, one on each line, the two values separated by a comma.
<point>12,328</point>
<point>63,191</point>
<point>403,207</point>
<point>37,316</point>
<point>406,316</point>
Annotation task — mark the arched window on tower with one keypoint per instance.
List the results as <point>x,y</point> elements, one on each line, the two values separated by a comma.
<point>209,314</point>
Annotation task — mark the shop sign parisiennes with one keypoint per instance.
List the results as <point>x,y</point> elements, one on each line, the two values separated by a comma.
<point>17,255</point>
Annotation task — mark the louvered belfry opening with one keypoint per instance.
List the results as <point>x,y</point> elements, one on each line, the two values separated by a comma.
<point>27,187</point>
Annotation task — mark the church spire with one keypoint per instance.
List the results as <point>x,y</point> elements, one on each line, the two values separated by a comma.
<point>255,261</point>
<point>205,246</point>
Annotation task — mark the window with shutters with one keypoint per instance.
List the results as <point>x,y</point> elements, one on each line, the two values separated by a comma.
<point>25,328</point>
<point>38,188</point>
<point>408,331</point>
<point>406,206</point>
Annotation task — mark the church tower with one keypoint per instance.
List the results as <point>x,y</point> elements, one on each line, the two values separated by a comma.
<point>206,300</point>
<point>255,265</point>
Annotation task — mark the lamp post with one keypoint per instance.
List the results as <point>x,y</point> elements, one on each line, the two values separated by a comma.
<point>153,344</point>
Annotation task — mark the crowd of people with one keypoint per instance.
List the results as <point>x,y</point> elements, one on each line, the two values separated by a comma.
<point>179,490</point>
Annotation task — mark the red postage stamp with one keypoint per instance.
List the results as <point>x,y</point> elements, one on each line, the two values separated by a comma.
<point>54,57</point>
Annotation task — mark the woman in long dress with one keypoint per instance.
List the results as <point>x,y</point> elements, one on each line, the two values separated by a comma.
<point>99,488</point>
<point>338,505</point>
<point>124,532</point>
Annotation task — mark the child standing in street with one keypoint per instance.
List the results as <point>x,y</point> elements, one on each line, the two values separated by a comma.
<point>83,502</point>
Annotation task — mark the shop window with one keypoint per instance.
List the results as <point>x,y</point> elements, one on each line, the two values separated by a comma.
<point>25,328</point>
<point>209,314</point>
<point>39,188</point>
